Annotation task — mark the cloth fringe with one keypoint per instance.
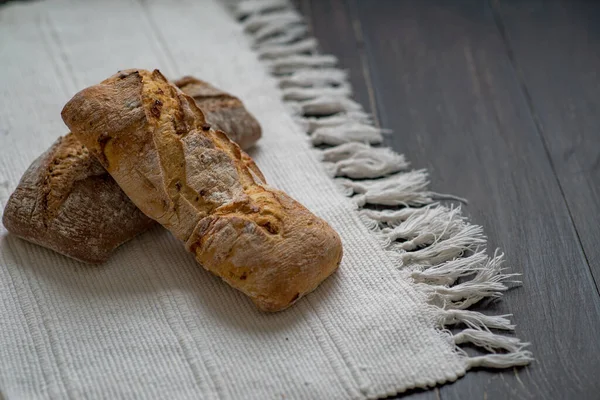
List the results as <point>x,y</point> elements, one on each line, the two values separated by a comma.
<point>444,254</point>
<point>315,78</point>
<point>359,161</point>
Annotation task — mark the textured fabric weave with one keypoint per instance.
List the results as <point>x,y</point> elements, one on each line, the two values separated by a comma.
<point>151,323</point>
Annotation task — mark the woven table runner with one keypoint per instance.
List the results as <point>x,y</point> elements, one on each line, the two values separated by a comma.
<point>151,323</point>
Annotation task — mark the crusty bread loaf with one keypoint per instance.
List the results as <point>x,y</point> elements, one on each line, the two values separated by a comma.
<point>66,201</point>
<point>223,111</point>
<point>178,170</point>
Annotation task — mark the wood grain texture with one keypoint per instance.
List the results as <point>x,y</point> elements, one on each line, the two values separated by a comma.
<point>340,35</point>
<point>444,82</point>
<point>555,46</point>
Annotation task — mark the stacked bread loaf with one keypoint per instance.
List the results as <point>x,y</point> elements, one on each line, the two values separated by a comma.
<point>170,161</point>
<point>66,201</point>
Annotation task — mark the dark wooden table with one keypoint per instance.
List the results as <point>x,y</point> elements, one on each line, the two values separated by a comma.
<point>500,101</point>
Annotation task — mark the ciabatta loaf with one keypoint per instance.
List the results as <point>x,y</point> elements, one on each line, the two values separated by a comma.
<point>157,145</point>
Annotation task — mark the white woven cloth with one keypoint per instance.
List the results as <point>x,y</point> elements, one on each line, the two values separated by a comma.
<point>151,323</point>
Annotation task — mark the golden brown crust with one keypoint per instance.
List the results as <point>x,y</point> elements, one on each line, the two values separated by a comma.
<point>223,111</point>
<point>66,201</point>
<point>155,142</point>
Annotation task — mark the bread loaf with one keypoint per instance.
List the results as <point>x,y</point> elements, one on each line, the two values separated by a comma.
<point>157,145</point>
<point>223,111</point>
<point>66,201</point>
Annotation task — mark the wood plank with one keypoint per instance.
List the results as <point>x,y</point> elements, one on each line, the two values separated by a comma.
<point>558,42</point>
<point>445,85</point>
<point>330,23</point>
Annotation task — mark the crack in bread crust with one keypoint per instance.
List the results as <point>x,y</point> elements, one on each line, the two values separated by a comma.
<point>222,110</point>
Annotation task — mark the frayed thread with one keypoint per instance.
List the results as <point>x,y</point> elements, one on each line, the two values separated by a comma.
<point>475,320</point>
<point>289,64</point>
<point>488,282</point>
<point>301,94</point>
<point>359,161</point>
<point>500,361</point>
<point>392,217</point>
<point>448,272</point>
<point>505,351</point>
<point>290,35</point>
<point>246,8</point>
<point>315,78</point>
<point>277,25</point>
<point>469,238</point>
<point>425,228</point>
<point>404,189</point>
<point>348,132</point>
<point>332,121</point>
<point>489,341</point>
<point>327,105</point>
<point>254,23</point>
<point>279,50</point>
